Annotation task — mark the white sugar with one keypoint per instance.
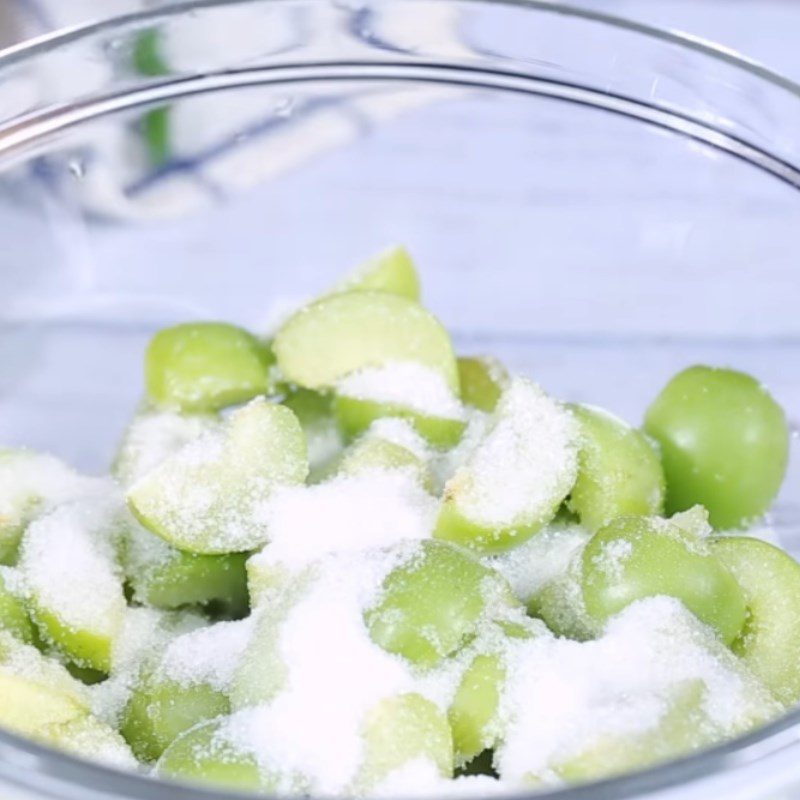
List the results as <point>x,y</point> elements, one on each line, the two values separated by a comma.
<point>400,432</point>
<point>154,436</point>
<point>68,562</point>
<point>526,463</point>
<point>407,384</point>
<point>541,559</point>
<point>419,778</point>
<point>37,482</point>
<point>612,558</point>
<point>335,675</point>
<point>144,635</point>
<point>346,514</point>
<point>563,696</point>
<point>207,656</point>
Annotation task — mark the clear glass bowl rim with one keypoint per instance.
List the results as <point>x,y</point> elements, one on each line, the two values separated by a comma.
<point>34,768</point>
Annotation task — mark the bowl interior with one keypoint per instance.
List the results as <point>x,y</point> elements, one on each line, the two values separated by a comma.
<point>593,246</point>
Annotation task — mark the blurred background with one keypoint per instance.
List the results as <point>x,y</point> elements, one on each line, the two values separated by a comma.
<point>601,242</point>
<point>765,30</point>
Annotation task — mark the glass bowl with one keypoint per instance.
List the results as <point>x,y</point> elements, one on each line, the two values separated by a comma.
<point>596,202</point>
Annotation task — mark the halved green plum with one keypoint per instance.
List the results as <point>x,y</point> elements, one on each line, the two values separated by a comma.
<point>314,412</point>
<point>344,333</point>
<point>770,641</point>
<point>30,483</point>
<point>261,672</point>
<point>619,471</point>
<point>208,755</point>
<point>404,390</point>
<point>560,603</point>
<point>483,380</point>
<point>391,271</point>
<point>371,453</point>
<point>29,707</point>
<point>35,691</point>
<point>89,738</point>
<point>636,557</point>
<point>685,727</point>
<point>400,730</point>
<point>205,498</point>
<point>159,710</point>
<point>473,711</point>
<point>19,658</point>
<point>73,584</point>
<point>724,444</point>
<point>431,605</point>
<point>14,616</point>
<point>206,366</point>
<point>162,576</point>
<point>154,436</point>
<point>517,477</point>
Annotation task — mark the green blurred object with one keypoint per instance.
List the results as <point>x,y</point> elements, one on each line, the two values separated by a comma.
<point>156,124</point>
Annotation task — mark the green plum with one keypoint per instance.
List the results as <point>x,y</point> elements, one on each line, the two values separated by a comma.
<point>204,498</point>
<point>391,271</point>
<point>516,478</point>
<point>30,483</point>
<point>355,415</point>
<point>205,755</point>
<point>724,444</point>
<point>619,471</point>
<point>770,642</point>
<point>155,435</point>
<point>685,727</point>
<point>164,577</point>
<point>89,738</point>
<point>206,366</point>
<point>73,584</point>
<point>371,453</point>
<point>636,557</point>
<point>14,616</point>
<point>431,605</point>
<point>400,730</point>
<point>314,412</point>
<point>482,379</point>
<point>473,711</point>
<point>30,707</point>
<point>159,710</point>
<point>36,691</point>
<point>344,333</point>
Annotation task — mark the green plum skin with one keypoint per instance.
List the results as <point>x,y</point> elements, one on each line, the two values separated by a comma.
<point>453,526</point>
<point>399,730</point>
<point>343,333</point>
<point>85,648</point>
<point>206,366</point>
<point>14,616</point>
<point>431,605</point>
<point>660,559</point>
<point>724,444</point>
<point>475,705</point>
<point>159,711</point>
<point>770,642</point>
<point>683,729</point>
<point>619,471</point>
<point>482,381</point>
<point>391,271</point>
<point>190,579</point>
<point>200,756</point>
<point>355,415</point>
